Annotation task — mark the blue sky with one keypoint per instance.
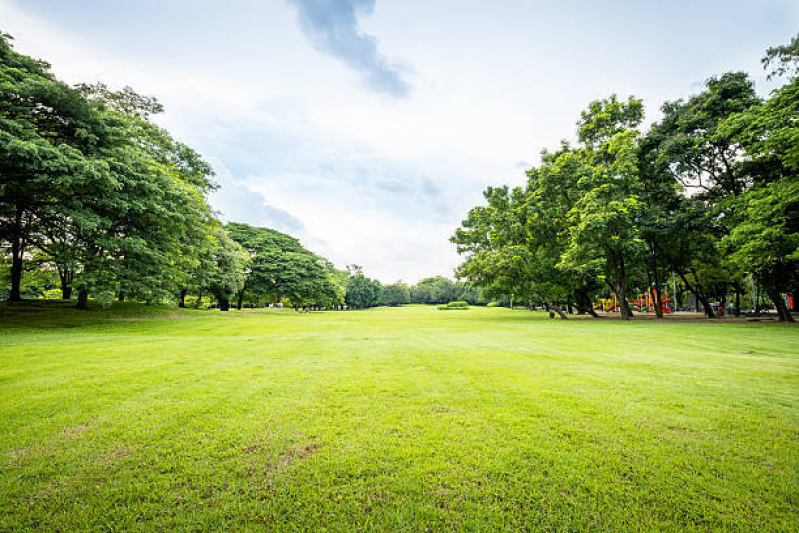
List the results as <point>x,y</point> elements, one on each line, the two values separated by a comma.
<point>368,128</point>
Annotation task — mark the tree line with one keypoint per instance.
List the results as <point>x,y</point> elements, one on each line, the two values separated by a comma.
<point>98,200</point>
<point>708,195</point>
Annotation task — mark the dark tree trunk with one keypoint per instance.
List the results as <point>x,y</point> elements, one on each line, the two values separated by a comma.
<point>16,276</point>
<point>737,309</point>
<point>700,296</point>
<point>83,299</point>
<point>224,303</point>
<point>66,283</point>
<point>723,304</point>
<point>182,301</point>
<point>585,301</point>
<point>17,252</point>
<point>17,249</point>
<point>795,297</point>
<point>581,308</point>
<point>779,304</point>
<point>240,301</point>
<point>121,297</point>
<point>199,298</point>
<point>620,286</point>
<point>550,305</point>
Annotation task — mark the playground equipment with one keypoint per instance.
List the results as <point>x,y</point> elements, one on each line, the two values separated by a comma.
<point>645,302</point>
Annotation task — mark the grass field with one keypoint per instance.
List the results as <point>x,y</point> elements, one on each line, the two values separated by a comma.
<point>405,419</point>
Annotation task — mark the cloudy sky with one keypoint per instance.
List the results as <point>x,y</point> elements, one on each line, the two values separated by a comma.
<point>368,128</point>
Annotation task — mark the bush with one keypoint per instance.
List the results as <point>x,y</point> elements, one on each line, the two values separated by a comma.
<point>454,306</point>
<point>494,304</point>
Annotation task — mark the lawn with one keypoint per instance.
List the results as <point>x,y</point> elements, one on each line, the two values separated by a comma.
<point>405,419</point>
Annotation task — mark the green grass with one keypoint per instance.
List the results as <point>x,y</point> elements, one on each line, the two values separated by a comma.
<point>403,419</point>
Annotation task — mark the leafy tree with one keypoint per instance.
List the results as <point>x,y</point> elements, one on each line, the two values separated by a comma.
<point>395,294</point>
<point>605,218</point>
<point>228,263</point>
<point>281,267</point>
<point>362,292</point>
<point>785,59</point>
<point>50,144</point>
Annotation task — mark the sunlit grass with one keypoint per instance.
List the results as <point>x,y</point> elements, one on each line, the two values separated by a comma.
<point>407,418</point>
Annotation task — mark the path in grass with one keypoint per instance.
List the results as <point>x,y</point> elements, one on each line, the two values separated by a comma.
<point>394,419</point>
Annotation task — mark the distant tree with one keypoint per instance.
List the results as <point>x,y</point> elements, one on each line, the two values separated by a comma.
<point>395,294</point>
<point>362,292</point>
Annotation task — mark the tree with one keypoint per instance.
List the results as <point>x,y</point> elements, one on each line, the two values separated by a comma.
<point>362,292</point>
<point>280,266</point>
<point>605,218</point>
<point>764,220</point>
<point>395,294</point>
<point>503,256</point>
<point>785,59</point>
<point>50,139</point>
<point>228,263</point>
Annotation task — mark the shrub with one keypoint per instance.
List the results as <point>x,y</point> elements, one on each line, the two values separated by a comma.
<point>454,306</point>
<point>494,304</point>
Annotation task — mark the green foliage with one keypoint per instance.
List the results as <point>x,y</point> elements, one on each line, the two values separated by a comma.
<point>361,292</point>
<point>280,267</point>
<point>784,58</point>
<point>395,294</point>
<point>707,194</point>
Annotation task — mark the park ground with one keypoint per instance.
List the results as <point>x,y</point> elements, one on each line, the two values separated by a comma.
<point>393,419</point>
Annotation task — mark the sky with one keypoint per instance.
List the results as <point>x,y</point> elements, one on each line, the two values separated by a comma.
<point>369,128</point>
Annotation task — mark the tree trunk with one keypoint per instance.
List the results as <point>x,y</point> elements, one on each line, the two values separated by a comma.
<point>795,298</point>
<point>737,309</point>
<point>182,301</point>
<point>16,271</point>
<point>699,295</point>
<point>83,299</point>
<point>224,303</point>
<point>621,287</point>
<point>581,307</point>
<point>199,298</point>
<point>779,304</point>
<point>241,300</point>
<point>550,305</point>
<point>66,283</point>
<point>17,251</point>
<point>121,297</point>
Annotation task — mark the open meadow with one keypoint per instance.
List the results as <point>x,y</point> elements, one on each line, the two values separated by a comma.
<point>404,419</point>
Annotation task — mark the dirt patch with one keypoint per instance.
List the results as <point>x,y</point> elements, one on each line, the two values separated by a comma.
<point>253,448</point>
<point>295,454</point>
<point>15,456</point>
<point>114,455</point>
<point>75,431</point>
